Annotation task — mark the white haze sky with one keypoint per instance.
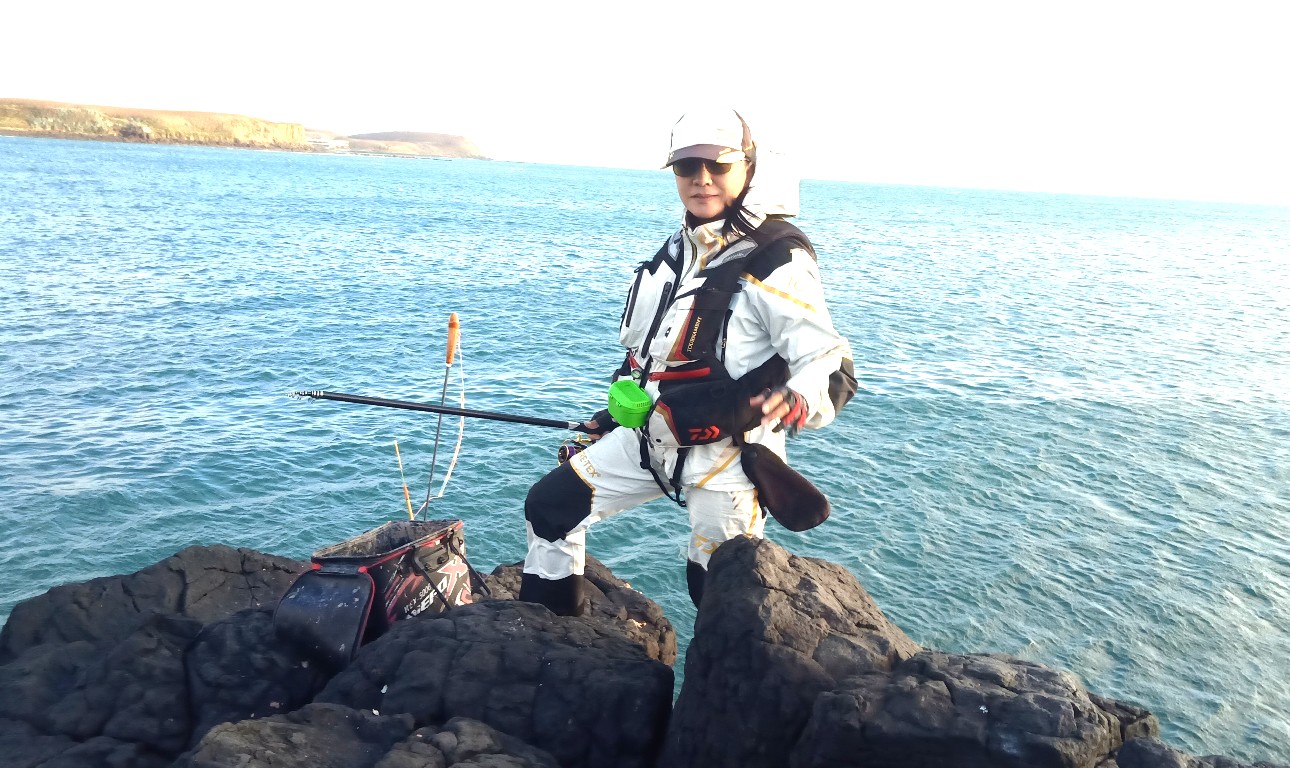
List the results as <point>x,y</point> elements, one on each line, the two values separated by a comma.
<point>1155,99</point>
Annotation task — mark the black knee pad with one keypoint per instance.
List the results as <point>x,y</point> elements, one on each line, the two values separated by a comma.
<point>557,503</point>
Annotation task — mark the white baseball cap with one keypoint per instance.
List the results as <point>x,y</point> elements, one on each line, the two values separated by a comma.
<point>712,134</point>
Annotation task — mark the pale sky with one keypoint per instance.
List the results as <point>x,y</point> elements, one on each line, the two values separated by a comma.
<point>1156,99</point>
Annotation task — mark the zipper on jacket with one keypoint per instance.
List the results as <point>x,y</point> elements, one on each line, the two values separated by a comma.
<point>725,334</point>
<point>631,297</point>
<point>658,315</point>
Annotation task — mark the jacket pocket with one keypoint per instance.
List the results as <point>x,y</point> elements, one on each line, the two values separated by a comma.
<point>649,291</point>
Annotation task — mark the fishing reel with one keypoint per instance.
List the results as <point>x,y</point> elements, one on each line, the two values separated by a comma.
<point>570,448</point>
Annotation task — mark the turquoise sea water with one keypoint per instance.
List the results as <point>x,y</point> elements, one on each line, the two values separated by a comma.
<point>1070,441</point>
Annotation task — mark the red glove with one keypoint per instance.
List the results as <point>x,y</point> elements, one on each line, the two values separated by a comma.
<point>793,421</point>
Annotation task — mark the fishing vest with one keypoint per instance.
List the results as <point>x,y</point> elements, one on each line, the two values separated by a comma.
<point>699,402</point>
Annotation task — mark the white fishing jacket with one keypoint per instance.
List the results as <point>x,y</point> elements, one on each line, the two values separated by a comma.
<point>782,312</point>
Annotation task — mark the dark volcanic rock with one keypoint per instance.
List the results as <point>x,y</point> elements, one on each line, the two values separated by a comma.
<point>1152,753</point>
<point>638,617</point>
<point>334,736</point>
<point>133,691</point>
<point>24,746</point>
<point>467,742</point>
<point>131,670</point>
<point>574,687</point>
<point>98,668</point>
<point>1135,722</point>
<point>238,670</point>
<point>317,736</point>
<point>792,665</point>
<point>971,711</point>
<point>202,583</point>
<point>103,752</point>
<point>773,633</point>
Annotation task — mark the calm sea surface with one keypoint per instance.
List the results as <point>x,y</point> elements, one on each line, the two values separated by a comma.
<point>1071,441</point>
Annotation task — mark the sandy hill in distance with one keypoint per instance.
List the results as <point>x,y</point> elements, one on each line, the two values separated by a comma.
<point>414,143</point>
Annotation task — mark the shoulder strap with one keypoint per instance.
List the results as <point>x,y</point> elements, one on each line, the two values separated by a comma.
<point>706,325</point>
<point>665,256</point>
<point>766,258</point>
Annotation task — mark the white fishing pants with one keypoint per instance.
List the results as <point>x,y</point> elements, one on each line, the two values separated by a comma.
<point>607,478</point>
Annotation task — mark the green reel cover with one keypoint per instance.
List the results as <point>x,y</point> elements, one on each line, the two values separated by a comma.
<point>628,403</point>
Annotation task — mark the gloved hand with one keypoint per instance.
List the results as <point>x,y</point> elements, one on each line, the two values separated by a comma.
<point>598,425</point>
<point>785,405</point>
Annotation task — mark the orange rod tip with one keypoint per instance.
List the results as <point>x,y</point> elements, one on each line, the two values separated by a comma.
<point>454,336</point>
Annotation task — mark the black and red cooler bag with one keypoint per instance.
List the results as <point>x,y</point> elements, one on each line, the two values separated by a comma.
<point>358,588</point>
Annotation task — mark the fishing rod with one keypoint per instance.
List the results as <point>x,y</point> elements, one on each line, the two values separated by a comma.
<point>431,408</point>
<point>454,341</point>
<point>454,345</point>
<point>454,335</point>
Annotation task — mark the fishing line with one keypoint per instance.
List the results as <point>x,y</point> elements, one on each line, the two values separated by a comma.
<point>461,433</point>
<point>407,497</point>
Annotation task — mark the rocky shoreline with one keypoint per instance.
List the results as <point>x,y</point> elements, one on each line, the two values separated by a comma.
<point>792,664</point>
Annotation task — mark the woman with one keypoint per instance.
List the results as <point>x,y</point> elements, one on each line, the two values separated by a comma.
<point>727,332</point>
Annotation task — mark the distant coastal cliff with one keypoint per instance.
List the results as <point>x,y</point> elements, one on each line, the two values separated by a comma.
<point>26,117</point>
<point>47,118</point>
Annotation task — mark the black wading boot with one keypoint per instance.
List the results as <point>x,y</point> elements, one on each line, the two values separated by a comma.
<point>695,576</point>
<point>564,597</point>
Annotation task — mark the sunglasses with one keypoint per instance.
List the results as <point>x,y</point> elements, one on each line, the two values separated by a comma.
<point>690,167</point>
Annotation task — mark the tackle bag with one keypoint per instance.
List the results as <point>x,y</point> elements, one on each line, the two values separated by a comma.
<point>790,498</point>
<point>712,409</point>
<point>358,588</point>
